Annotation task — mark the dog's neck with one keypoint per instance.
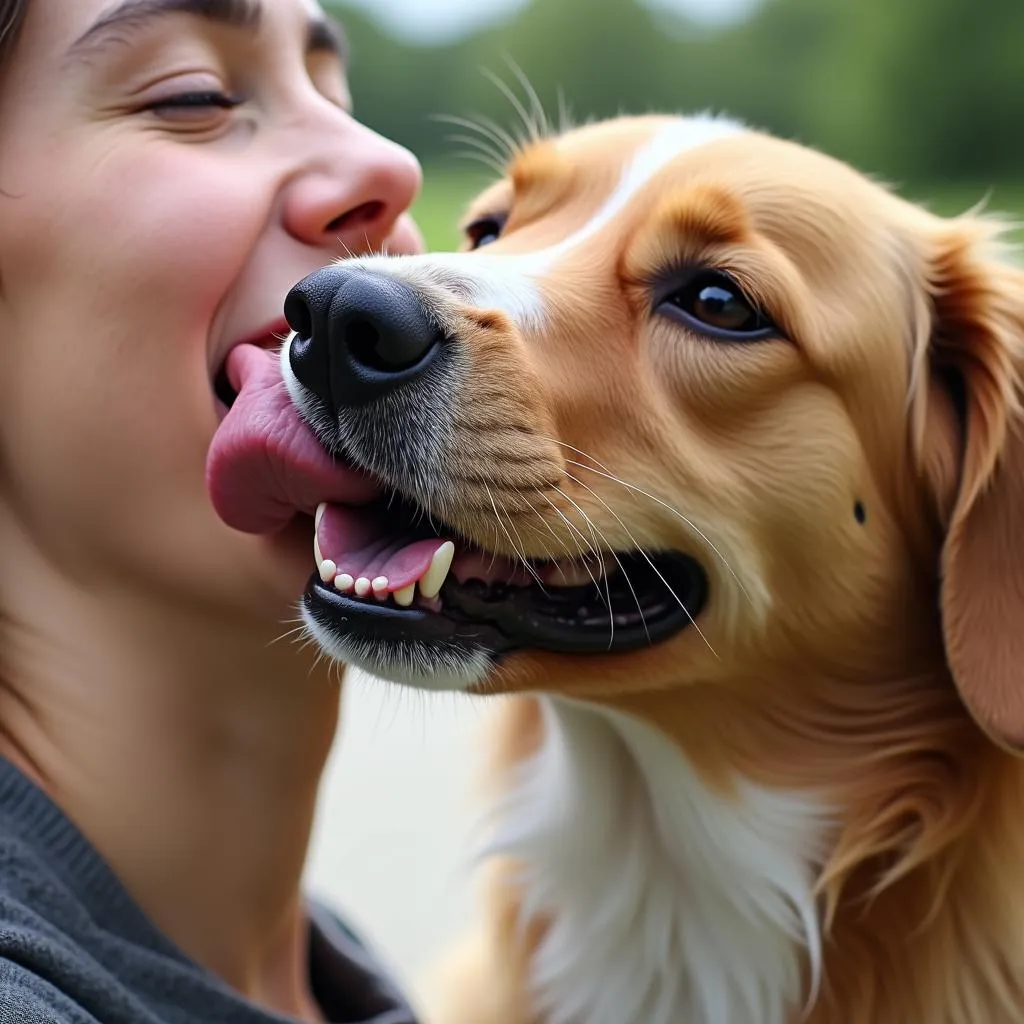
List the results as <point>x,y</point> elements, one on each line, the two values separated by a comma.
<point>671,891</point>
<point>667,901</point>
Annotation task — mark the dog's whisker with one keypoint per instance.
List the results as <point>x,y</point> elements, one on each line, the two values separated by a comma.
<point>521,549</point>
<point>614,554</point>
<point>574,529</point>
<point>608,589</point>
<point>520,552</point>
<point>289,634</point>
<point>494,132</point>
<point>584,549</point>
<point>507,139</point>
<point>540,117</point>
<point>483,145</point>
<point>633,488</point>
<point>479,158</point>
<point>479,151</point>
<point>547,551</point>
<point>487,127</point>
<point>564,113</point>
<point>529,126</point>
<point>643,554</point>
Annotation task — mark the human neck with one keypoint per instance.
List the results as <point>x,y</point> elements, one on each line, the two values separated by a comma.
<point>190,757</point>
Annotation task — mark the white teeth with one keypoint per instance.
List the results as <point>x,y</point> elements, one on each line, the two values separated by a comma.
<point>434,577</point>
<point>317,553</point>
<point>320,509</point>
<point>429,586</point>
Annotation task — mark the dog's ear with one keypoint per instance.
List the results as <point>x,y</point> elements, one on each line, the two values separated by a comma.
<point>970,435</point>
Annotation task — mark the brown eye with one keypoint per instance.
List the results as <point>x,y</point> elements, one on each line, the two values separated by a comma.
<point>484,231</point>
<point>712,303</point>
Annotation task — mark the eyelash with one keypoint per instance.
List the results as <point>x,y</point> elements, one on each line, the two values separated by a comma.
<point>197,100</point>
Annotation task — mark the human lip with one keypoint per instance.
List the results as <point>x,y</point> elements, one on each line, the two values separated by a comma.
<point>267,337</point>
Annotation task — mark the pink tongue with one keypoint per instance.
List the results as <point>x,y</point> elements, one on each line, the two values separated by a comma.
<point>264,463</point>
<point>361,545</point>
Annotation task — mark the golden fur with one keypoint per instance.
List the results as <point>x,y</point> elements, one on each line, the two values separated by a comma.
<point>881,662</point>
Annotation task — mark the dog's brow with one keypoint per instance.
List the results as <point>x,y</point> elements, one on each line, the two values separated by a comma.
<point>536,166</point>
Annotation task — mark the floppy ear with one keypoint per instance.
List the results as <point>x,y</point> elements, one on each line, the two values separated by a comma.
<point>976,342</point>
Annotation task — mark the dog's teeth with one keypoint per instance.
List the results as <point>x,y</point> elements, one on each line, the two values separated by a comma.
<point>404,597</point>
<point>363,586</point>
<point>320,510</point>
<point>317,553</point>
<point>434,577</point>
<point>344,582</point>
<point>328,570</point>
<point>380,587</point>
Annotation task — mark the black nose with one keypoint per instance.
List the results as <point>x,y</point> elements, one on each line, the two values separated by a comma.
<point>359,335</point>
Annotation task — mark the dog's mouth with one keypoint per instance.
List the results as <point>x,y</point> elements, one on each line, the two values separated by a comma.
<point>391,574</point>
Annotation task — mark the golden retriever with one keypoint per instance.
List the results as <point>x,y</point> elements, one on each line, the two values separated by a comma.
<point>707,454</point>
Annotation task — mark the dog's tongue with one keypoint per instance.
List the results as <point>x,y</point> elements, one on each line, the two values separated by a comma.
<point>264,463</point>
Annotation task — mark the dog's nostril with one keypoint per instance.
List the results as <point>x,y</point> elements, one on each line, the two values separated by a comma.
<point>364,344</point>
<point>359,335</point>
<point>297,313</point>
<point>387,347</point>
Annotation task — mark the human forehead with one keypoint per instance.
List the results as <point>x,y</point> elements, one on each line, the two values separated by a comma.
<point>62,22</point>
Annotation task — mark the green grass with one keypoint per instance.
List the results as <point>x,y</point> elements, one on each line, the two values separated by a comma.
<point>447,190</point>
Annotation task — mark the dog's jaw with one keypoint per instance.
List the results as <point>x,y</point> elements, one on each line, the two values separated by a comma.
<point>668,902</point>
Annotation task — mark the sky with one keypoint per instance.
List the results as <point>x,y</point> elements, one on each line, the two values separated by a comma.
<point>442,20</point>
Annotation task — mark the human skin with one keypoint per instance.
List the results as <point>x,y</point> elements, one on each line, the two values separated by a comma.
<point>148,223</point>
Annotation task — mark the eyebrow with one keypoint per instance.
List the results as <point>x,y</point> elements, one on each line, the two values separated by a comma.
<point>322,35</point>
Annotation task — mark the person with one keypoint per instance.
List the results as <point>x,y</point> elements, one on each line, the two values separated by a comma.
<point>169,169</point>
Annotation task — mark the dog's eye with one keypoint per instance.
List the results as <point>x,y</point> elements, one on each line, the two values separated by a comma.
<point>713,303</point>
<point>484,231</point>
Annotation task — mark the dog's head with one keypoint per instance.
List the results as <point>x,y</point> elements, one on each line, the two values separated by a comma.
<point>695,406</point>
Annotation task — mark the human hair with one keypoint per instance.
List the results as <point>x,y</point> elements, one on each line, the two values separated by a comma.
<point>12,14</point>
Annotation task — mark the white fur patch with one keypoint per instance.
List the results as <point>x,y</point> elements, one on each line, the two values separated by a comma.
<point>670,904</point>
<point>419,666</point>
<point>509,282</point>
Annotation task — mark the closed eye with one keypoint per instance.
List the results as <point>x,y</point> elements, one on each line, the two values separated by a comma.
<point>711,303</point>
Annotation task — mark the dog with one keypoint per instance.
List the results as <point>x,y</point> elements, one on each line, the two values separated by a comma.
<point>705,452</point>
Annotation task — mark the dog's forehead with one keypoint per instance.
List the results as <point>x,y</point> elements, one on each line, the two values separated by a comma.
<point>576,200</point>
<point>593,173</point>
<point>607,177</point>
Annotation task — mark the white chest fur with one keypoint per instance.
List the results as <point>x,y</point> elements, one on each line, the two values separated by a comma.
<point>669,903</point>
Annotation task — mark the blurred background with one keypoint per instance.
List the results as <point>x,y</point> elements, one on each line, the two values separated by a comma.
<point>927,95</point>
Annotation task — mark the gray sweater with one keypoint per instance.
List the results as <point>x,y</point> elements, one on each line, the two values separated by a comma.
<point>75,948</point>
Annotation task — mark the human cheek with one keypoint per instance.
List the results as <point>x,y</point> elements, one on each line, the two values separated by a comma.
<point>113,298</point>
<point>406,238</point>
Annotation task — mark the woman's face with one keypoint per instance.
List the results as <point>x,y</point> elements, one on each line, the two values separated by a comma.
<point>168,170</point>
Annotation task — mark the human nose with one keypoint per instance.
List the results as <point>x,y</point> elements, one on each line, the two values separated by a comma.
<point>353,192</point>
